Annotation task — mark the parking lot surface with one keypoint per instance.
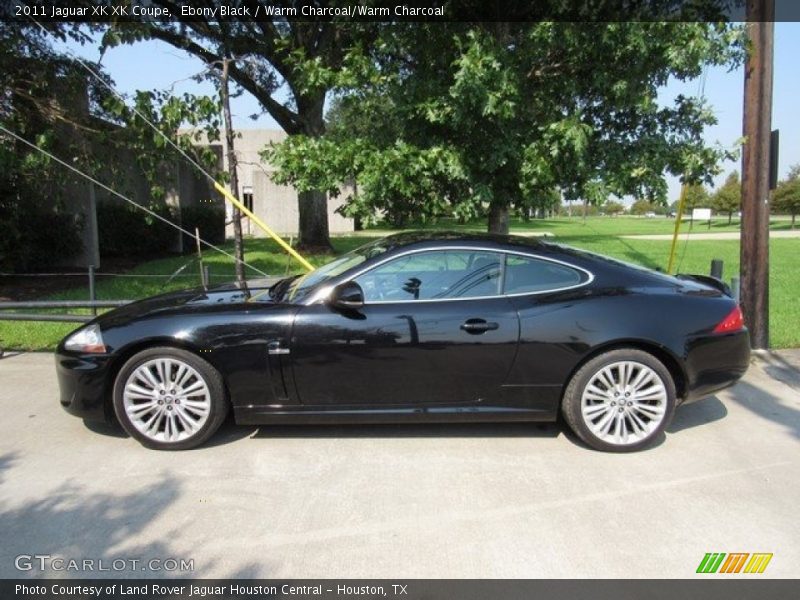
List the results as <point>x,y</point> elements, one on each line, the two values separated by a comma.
<point>484,500</point>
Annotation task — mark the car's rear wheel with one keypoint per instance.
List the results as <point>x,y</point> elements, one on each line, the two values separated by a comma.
<point>620,401</point>
<point>169,399</point>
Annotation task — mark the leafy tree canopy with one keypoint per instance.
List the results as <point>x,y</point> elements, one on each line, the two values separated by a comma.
<point>728,198</point>
<point>786,198</point>
<point>697,196</point>
<point>288,65</point>
<point>613,208</point>
<point>518,110</point>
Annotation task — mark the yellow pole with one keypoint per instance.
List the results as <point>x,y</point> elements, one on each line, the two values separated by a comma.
<point>678,218</point>
<point>263,226</point>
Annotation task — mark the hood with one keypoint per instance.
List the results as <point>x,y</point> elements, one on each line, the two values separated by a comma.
<point>222,295</point>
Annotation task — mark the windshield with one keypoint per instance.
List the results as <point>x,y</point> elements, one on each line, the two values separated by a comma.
<point>300,287</point>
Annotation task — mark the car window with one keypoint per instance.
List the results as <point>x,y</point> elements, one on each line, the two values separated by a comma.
<point>299,287</point>
<point>433,275</point>
<point>525,274</point>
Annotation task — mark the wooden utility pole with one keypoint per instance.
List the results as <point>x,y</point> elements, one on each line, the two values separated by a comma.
<point>238,242</point>
<point>755,171</point>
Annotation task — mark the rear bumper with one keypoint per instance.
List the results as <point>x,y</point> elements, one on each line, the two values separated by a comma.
<point>82,385</point>
<point>716,362</point>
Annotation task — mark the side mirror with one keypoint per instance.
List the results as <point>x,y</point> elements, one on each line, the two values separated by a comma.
<point>347,296</point>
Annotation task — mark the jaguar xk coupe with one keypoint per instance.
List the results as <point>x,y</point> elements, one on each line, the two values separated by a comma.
<point>415,327</point>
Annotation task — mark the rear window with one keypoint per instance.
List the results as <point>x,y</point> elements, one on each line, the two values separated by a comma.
<point>525,275</point>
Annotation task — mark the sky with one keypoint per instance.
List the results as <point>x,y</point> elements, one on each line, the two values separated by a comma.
<point>155,65</point>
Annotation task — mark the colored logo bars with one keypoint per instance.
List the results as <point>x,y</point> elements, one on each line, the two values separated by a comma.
<point>736,562</point>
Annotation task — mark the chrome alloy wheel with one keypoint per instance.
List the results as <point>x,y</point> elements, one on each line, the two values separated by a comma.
<point>167,400</point>
<point>624,403</point>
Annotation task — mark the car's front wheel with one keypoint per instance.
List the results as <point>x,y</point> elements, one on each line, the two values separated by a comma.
<point>169,399</point>
<point>620,401</point>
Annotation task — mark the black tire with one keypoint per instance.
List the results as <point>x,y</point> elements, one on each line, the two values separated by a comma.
<point>218,403</point>
<point>571,406</point>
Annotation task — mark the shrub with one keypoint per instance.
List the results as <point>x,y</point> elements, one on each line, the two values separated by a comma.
<point>35,238</point>
<point>124,230</point>
<point>208,218</point>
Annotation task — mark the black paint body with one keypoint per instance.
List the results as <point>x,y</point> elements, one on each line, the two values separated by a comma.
<point>412,360</point>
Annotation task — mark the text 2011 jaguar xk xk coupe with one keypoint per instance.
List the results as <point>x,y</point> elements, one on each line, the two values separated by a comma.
<point>415,327</point>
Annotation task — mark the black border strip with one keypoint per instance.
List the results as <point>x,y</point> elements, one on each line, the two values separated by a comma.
<point>108,11</point>
<point>711,588</point>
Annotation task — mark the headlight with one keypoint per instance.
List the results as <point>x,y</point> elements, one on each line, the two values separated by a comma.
<point>87,340</point>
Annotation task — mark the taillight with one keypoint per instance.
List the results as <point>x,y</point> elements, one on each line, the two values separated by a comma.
<point>733,322</point>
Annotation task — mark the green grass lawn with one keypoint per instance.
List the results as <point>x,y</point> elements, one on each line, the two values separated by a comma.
<point>621,225</point>
<point>598,234</point>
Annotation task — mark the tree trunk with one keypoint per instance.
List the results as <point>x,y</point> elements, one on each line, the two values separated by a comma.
<point>498,218</point>
<point>793,216</point>
<point>238,241</point>
<point>730,218</point>
<point>313,223</point>
<point>313,206</point>
<point>398,220</point>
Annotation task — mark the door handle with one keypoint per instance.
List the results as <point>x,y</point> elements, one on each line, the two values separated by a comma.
<point>477,326</point>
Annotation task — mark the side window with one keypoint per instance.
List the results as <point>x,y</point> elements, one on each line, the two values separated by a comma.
<point>524,275</point>
<point>437,274</point>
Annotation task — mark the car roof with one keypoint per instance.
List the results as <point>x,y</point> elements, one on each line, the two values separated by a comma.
<point>405,240</point>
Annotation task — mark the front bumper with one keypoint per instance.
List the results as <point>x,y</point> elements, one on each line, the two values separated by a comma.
<point>82,382</point>
<point>716,362</point>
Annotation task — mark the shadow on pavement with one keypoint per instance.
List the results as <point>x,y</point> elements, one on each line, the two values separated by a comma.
<point>7,460</point>
<point>779,368</point>
<point>73,522</point>
<point>444,430</point>
<point>767,406</point>
<point>696,414</point>
<point>228,432</point>
<point>109,429</point>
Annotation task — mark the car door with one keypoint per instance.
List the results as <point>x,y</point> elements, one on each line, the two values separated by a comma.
<point>434,330</point>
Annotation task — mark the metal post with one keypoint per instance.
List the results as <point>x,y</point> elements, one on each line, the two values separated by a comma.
<point>93,242</point>
<point>755,171</point>
<point>200,257</point>
<point>206,276</point>
<point>92,293</point>
<point>716,268</point>
<point>735,288</point>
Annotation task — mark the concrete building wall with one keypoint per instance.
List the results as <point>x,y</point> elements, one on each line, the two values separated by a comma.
<point>275,204</point>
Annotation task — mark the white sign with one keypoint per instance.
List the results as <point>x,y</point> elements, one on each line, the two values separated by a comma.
<point>701,214</point>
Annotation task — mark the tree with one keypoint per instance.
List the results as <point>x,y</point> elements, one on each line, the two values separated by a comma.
<point>642,207</point>
<point>786,198</point>
<point>540,203</point>
<point>45,100</point>
<point>697,196</point>
<point>613,208</point>
<point>524,108</point>
<point>288,65</point>
<point>238,241</point>
<point>728,198</point>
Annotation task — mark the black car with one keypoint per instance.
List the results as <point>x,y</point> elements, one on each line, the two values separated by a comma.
<point>415,327</point>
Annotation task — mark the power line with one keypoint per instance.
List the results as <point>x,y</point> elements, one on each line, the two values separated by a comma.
<point>214,182</point>
<point>128,200</point>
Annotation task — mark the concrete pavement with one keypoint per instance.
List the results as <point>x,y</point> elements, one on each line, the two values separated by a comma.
<point>513,500</point>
